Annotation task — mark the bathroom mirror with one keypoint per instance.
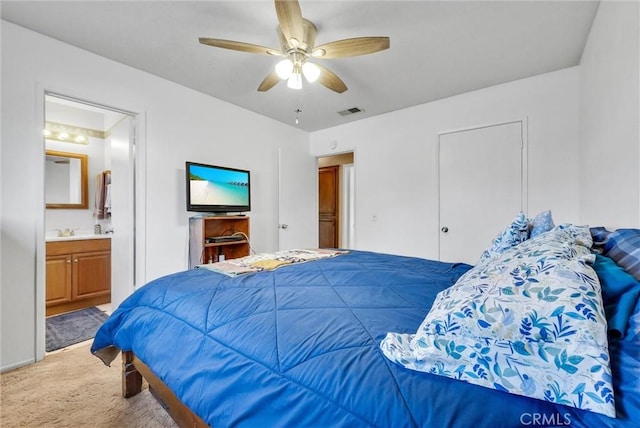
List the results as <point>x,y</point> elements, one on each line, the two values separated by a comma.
<point>66,180</point>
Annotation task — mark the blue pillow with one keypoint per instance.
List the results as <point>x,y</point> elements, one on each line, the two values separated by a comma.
<point>543,222</point>
<point>599,235</point>
<point>620,292</point>
<point>623,246</point>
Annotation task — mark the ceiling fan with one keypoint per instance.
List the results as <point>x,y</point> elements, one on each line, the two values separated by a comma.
<point>297,37</point>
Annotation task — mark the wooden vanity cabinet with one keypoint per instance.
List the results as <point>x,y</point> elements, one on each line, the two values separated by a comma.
<point>78,274</point>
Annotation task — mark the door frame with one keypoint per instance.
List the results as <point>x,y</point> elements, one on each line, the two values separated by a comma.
<point>346,195</point>
<point>524,162</point>
<point>348,206</point>
<point>137,211</point>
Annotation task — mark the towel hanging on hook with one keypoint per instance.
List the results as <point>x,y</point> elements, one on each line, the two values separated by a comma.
<point>103,195</point>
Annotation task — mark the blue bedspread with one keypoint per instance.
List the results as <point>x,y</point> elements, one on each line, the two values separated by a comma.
<point>299,346</point>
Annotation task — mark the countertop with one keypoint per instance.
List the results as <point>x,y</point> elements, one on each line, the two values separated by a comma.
<point>77,237</point>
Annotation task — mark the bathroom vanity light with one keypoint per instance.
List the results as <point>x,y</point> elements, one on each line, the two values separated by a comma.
<point>71,134</point>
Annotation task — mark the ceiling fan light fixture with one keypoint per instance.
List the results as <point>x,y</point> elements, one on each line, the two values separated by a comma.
<point>284,69</point>
<point>297,37</point>
<point>295,81</point>
<point>311,71</point>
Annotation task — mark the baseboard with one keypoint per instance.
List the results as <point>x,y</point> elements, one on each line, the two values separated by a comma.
<point>10,367</point>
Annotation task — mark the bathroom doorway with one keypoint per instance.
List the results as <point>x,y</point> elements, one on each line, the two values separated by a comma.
<point>336,201</point>
<point>106,138</point>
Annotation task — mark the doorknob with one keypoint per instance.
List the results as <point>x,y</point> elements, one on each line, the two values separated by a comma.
<point>444,229</point>
<point>284,226</point>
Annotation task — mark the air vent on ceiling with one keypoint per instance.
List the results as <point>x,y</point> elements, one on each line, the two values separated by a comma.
<point>350,111</point>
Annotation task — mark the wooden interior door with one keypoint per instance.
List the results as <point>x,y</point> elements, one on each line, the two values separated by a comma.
<point>328,208</point>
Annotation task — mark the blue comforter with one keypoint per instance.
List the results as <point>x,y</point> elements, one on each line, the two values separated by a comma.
<point>299,346</point>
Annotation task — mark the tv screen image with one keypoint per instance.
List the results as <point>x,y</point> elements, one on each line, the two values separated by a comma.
<point>217,189</point>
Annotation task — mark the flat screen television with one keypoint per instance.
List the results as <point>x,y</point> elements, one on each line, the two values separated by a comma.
<point>217,189</point>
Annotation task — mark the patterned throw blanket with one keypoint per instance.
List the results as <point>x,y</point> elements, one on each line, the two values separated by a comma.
<point>529,321</point>
<point>268,261</point>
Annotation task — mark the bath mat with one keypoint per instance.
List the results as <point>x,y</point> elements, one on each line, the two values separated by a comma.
<point>73,327</point>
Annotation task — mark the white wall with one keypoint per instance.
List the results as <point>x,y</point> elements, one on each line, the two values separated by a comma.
<point>609,110</point>
<point>396,158</point>
<point>180,124</point>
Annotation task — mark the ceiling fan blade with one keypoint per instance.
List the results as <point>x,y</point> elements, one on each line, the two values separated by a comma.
<point>352,47</point>
<point>269,82</point>
<point>239,46</point>
<point>290,20</point>
<point>329,79</point>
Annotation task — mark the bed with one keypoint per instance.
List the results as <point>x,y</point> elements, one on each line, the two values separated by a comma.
<point>339,341</point>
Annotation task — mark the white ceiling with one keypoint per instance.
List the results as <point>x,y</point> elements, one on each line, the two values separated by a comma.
<point>438,48</point>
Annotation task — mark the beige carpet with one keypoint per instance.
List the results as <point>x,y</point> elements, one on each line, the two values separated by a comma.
<point>72,388</point>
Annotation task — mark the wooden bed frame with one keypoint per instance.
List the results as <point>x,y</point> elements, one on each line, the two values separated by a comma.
<point>133,370</point>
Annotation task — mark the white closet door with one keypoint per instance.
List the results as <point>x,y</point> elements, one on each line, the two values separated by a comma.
<point>481,187</point>
<point>297,200</point>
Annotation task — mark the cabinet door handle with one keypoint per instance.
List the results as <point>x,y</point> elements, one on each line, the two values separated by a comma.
<point>445,229</point>
<point>75,260</point>
<point>68,261</point>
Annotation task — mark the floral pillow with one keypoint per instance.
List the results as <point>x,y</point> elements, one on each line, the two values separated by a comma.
<point>541,223</point>
<point>529,322</point>
<point>515,233</point>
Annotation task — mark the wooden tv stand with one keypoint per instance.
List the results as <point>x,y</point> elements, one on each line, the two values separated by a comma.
<point>201,229</point>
